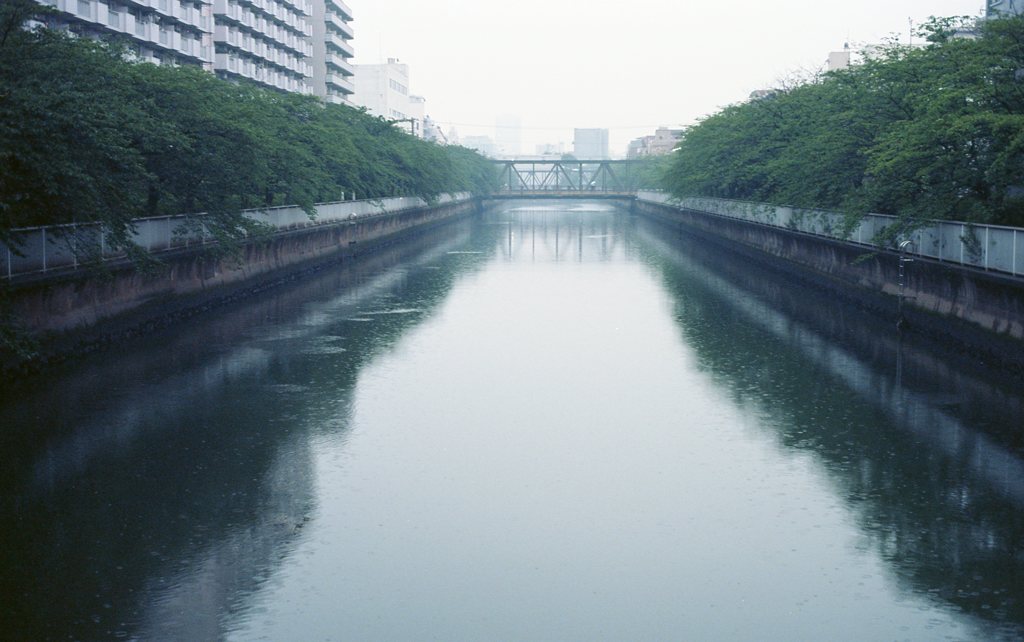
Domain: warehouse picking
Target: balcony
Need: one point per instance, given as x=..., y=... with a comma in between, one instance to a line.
x=336, y=98
x=300, y=6
x=226, y=62
x=340, y=65
x=338, y=24
x=340, y=44
x=339, y=83
x=341, y=8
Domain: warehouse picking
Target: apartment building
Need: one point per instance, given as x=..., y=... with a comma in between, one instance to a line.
x=268, y=41
x=175, y=32
x=332, y=51
x=301, y=46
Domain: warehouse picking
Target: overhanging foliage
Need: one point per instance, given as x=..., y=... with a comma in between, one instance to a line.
x=934, y=132
x=88, y=136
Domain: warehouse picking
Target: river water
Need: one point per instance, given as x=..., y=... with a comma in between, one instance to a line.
x=546, y=422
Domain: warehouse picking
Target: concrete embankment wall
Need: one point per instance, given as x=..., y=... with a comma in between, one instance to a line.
x=76, y=302
x=973, y=311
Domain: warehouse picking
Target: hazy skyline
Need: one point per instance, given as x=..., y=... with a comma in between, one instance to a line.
x=630, y=67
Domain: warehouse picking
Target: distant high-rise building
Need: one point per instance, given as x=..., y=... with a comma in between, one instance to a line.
x=384, y=91
x=590, y=144
x=483, y=144
x=508, y=135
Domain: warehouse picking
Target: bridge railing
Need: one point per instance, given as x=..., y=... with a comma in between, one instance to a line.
x=989, y=247
x=53, y=247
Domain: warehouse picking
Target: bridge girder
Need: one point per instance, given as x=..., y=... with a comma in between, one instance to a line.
x=566, y=177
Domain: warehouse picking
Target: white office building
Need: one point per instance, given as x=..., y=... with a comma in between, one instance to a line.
x=508, y=136
x=160, y=31
x=383, y=90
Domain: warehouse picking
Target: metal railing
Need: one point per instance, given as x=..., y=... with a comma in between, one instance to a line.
x=989, y=247
x=53, y=247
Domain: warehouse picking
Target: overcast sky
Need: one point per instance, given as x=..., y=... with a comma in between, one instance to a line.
x=628, y=65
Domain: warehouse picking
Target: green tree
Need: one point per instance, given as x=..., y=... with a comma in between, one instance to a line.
x=934, y=132
x=87, y=135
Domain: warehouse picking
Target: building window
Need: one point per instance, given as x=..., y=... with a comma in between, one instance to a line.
x=113, y=17
x=84, y=8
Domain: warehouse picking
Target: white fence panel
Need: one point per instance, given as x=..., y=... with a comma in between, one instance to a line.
x=1000, y=249
x=41, y=249
x=988, y=247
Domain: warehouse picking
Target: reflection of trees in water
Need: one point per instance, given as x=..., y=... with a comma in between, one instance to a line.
x=934, y=478
x=192, y=602
x=170, y=480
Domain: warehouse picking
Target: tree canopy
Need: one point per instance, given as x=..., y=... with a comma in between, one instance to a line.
x=933, y=132
x=87, y=135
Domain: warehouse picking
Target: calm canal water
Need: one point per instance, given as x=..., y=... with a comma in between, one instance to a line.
x=550, y=422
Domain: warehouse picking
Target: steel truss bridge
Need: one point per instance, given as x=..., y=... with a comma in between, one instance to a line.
x=567, y=179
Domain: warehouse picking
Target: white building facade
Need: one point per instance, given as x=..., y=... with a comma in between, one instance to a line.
x=301, y=46
x=508, y=136
x=160, y=31
x=267, y=41
x=333, y=72
x=384, y=91
x=590, y=144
